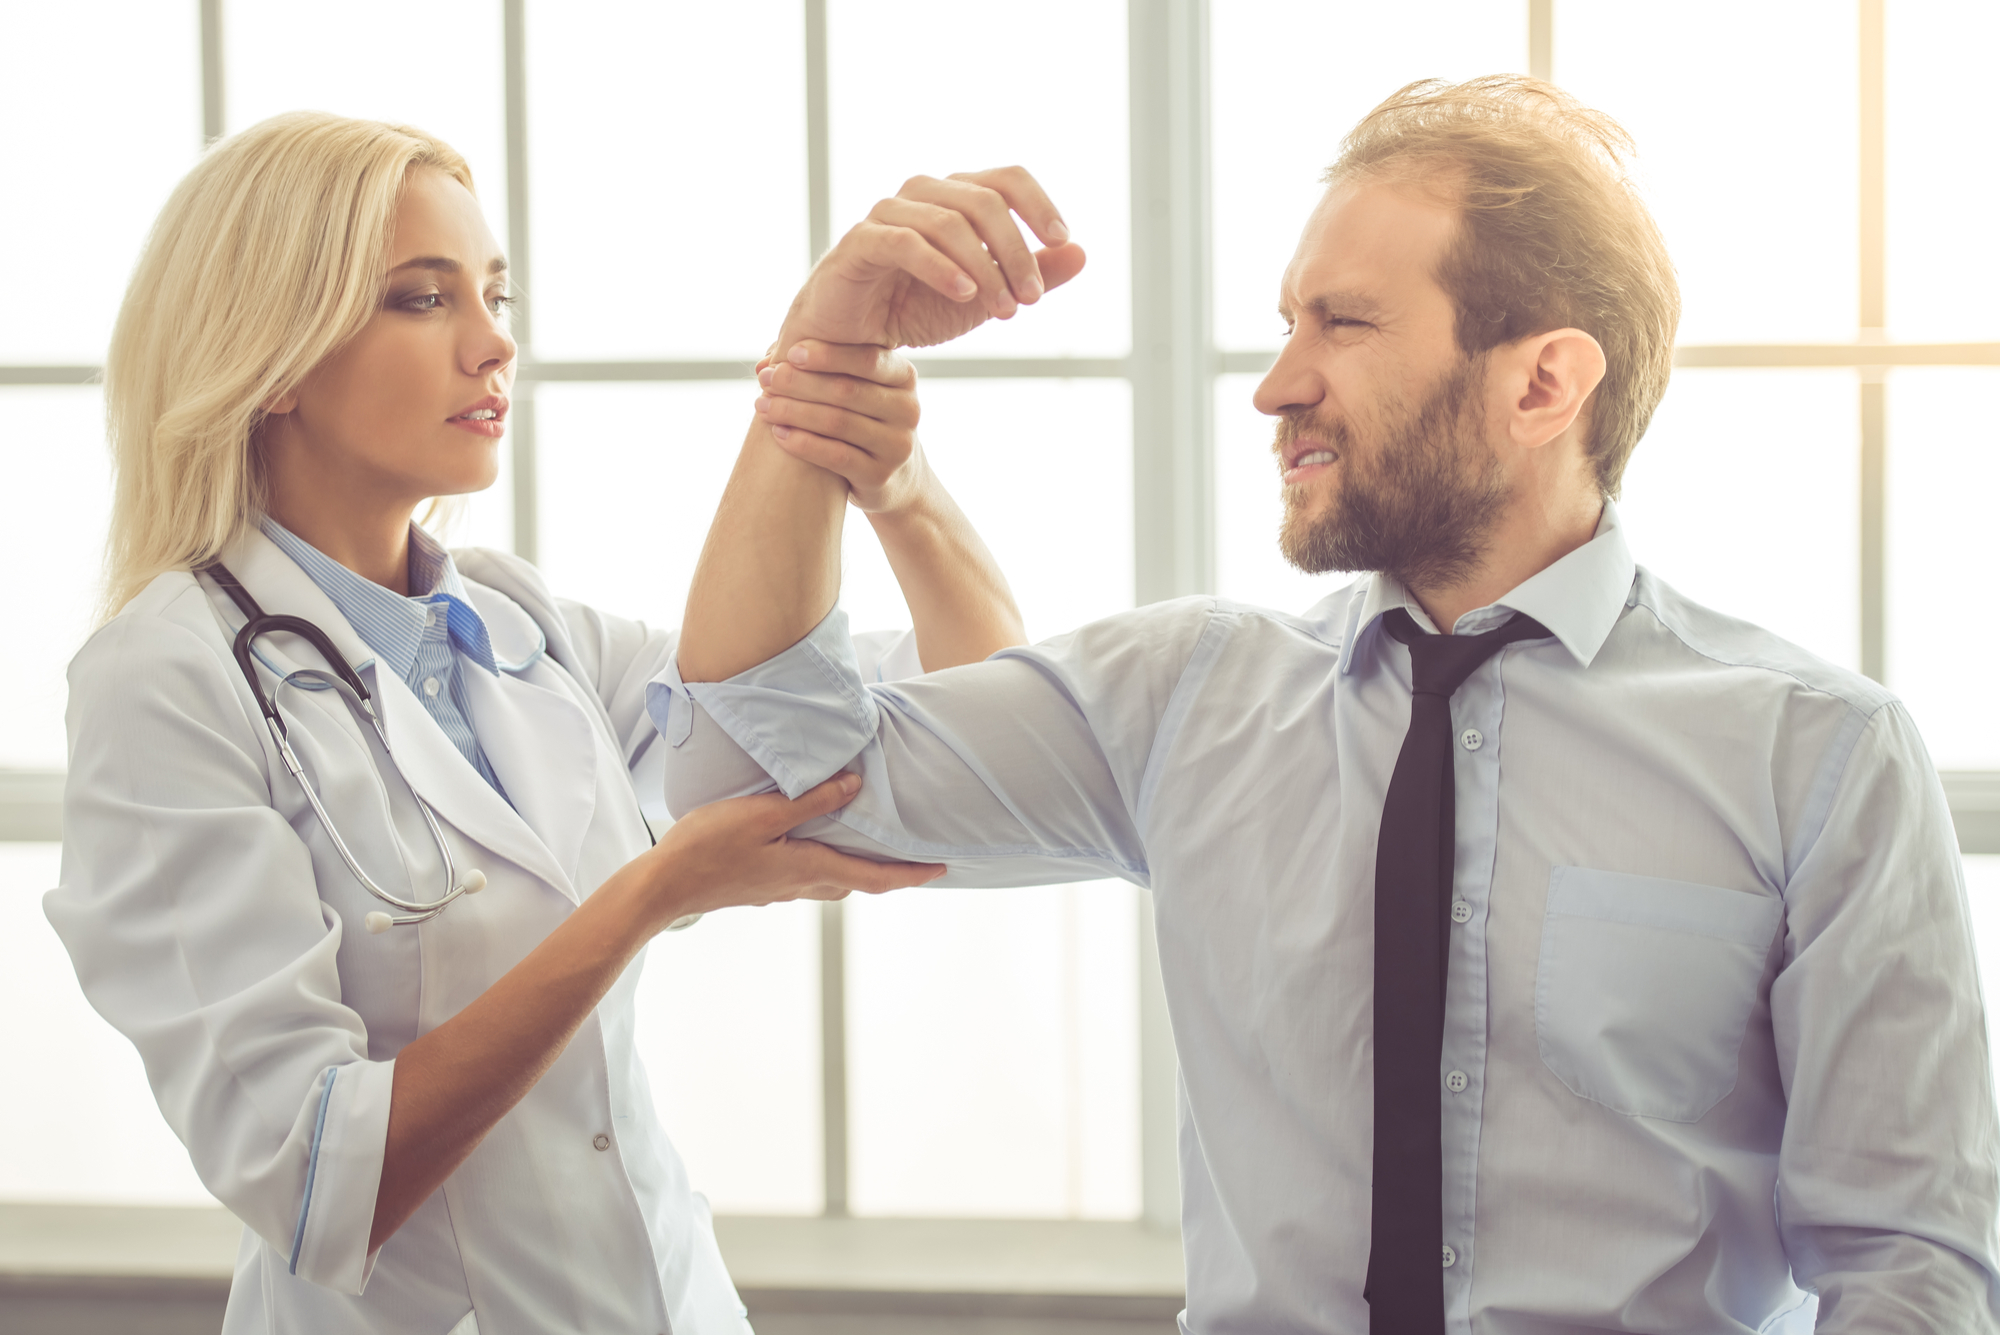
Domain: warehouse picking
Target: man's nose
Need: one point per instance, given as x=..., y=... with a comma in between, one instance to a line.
x=1291, y=385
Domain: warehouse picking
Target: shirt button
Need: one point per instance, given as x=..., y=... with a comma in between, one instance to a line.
x=431, y=619
x=431, y=688
x=1450, y=1256
x=603, y=1142
x=1471, y=739
x=1460, y=910
x=1455, y=1082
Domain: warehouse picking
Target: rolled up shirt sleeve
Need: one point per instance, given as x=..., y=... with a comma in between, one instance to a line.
x=1889, y=1171
x=190, y=911
x=1029, y=768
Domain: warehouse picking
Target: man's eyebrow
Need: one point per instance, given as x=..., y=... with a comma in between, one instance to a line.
x=1326, y=305
x=443, y=264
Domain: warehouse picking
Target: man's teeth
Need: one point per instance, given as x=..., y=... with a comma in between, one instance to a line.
x=1314, y=457
x=480, y=415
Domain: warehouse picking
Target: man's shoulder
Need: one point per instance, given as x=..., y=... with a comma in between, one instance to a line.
x=1713, y=639
x=1180, y=628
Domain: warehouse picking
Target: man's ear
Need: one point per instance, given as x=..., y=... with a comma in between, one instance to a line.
x=1551, y=377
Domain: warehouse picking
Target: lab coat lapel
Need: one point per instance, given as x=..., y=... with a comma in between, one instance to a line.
x=542, y=749
x=431, y=765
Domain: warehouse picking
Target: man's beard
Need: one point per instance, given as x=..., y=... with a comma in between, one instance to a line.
x=1417, y=503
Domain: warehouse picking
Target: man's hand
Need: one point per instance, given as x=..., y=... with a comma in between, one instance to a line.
x=852, y=410
x=937, y=260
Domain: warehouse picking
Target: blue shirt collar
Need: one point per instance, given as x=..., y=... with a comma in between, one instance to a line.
x=1579, y=598
x=391, y=625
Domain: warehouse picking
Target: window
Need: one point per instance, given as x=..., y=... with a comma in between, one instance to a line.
x=663, y=175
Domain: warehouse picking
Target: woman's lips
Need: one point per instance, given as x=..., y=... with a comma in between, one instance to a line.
x=481, y=422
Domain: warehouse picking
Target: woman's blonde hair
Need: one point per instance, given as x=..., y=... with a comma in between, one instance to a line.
x=267, y=258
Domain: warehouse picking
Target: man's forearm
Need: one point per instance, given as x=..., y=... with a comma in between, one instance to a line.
x=770, y=570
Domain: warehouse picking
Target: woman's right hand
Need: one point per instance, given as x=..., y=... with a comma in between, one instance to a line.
x=740, y=852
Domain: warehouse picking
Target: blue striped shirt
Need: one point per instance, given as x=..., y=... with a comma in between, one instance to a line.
x=420, y=638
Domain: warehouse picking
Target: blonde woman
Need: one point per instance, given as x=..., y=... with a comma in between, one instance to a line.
x=367, y=882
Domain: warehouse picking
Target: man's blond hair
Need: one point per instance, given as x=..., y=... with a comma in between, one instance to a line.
x=1552, y=233
x=266, y=260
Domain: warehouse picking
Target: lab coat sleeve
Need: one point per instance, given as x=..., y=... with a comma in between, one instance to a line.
x=190, y=910
x=1029, y=768
x=1889, y=1170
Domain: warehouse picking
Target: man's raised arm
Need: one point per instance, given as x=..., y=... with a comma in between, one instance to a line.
x=940, y=258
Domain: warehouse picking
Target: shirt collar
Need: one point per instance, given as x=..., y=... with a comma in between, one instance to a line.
x=392, y=625
x=1579, y=598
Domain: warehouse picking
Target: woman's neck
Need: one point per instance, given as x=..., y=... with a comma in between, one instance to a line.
x=375, y=547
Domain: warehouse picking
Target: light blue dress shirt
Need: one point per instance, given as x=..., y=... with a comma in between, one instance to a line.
x=420, y=638
x=1715, y=1058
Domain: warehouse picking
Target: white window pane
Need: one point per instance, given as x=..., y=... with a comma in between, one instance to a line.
x=100, y=114
x=1943, y=269
x=1249, y=507
x=52, y=522
x=434, y=64
x=902, y=102
x=993, y=1052
x=79, y=1121
x=668, y=175
x=1289, y=79
x=1746, y=121
x=729, y=1032
x=630, y=476
x=1043, y=469
x=1745, y=496
x=1944, y=469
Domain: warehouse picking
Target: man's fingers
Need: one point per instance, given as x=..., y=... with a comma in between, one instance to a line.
x=894, y=247
x=1059, y=264
x=1024, y=195
x=863, y=361
x=989, y=216
x=953, y=234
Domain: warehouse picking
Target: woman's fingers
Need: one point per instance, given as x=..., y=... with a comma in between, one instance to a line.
x=895, y=407
x=864, y=361
x=782, y=813
x=832, y=867
x=861, y=469
x=889, y=442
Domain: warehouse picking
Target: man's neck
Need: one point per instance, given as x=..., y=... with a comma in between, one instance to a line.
x=1527, y=540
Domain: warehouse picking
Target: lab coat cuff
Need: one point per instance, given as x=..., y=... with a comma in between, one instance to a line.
x=337, y=1214
x=802, y=716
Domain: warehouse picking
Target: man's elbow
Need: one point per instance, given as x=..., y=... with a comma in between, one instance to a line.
x=708, y=766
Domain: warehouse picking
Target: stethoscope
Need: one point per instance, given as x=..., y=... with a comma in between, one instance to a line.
x=260, y=622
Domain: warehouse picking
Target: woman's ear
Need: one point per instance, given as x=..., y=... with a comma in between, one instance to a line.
x=282, y=404
x=1555, y=374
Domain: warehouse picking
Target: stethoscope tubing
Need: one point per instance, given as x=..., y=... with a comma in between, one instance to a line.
x=408, y=912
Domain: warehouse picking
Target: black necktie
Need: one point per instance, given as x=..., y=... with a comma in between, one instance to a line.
x=1413, y=874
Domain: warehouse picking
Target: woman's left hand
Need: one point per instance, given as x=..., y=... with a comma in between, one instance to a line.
x=851, y=409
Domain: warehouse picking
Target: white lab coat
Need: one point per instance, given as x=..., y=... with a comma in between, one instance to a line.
x=211, y=921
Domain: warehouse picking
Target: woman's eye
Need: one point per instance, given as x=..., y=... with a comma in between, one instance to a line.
x=500, y=304
x=424, y=301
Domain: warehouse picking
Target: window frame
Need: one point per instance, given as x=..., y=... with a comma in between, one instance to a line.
x=1171, y=369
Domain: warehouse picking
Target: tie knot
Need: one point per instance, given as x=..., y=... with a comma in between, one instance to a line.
x=1439, y=664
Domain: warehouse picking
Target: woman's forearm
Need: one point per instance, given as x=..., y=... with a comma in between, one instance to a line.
x=958, y=595
x=455, y=1082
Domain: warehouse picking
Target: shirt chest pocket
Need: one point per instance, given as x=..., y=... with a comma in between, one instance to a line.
x=1645, y=986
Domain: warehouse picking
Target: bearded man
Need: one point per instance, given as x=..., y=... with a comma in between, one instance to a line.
x=1544, y=952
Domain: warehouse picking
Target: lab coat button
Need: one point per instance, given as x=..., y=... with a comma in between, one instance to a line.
x=1471, y=739
x=1455, y=1082
x=1450, y=1256
x=1461, y=911
x=601, y=1141
x=430, y=686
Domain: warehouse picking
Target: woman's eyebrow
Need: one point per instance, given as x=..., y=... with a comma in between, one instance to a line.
x=444, y=264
